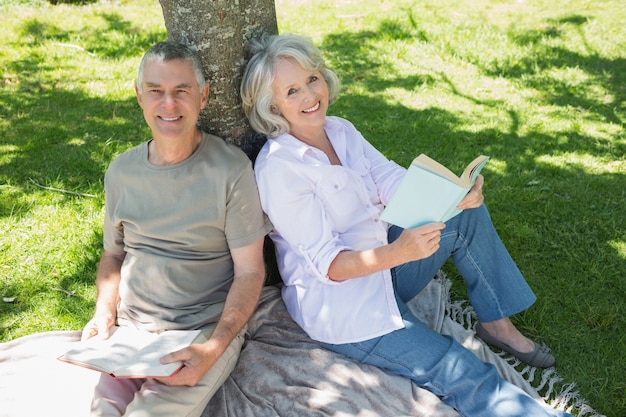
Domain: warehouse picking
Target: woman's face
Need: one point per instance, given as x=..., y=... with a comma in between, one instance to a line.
x=300, y=96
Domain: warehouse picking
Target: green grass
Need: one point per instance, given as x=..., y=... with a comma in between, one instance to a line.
x=66, y=109
x=538, y=85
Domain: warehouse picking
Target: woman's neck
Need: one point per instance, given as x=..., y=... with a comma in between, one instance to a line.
x=321, y=141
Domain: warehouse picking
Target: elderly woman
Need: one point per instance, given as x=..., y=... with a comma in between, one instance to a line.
x=347, y=274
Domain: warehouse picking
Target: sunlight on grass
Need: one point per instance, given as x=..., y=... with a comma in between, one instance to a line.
x=620, y=247
x=585, y=162
x=67, y=108
x=497, y=166
x=6, y=152
x=537, y=85
x=38, y=276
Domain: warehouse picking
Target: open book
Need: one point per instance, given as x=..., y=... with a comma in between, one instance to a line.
x=430, y=192
x=131, y=353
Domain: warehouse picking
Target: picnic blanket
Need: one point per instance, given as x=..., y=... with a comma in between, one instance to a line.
x=281, y=372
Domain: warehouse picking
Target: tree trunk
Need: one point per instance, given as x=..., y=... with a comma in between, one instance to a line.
x=220, y=30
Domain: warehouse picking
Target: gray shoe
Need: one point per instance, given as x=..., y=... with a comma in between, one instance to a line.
x=540, y=357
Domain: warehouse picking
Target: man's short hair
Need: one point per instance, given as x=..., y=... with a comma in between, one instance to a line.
x=171, y=51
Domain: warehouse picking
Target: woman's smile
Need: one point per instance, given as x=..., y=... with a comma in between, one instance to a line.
x=312, y=109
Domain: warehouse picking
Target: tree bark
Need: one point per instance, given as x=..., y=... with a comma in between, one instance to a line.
x=219, y=31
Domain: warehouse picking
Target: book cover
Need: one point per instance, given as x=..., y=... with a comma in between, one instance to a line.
x=430, y=192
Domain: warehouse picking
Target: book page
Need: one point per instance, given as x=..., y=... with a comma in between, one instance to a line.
x=466, y=179
x=146, y=361
x=473, y=169
x=427, y=163
x=108, y=354
x=130, y=352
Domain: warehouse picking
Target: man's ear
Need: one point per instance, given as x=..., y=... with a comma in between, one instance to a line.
x=205, y=95
x=138, y=94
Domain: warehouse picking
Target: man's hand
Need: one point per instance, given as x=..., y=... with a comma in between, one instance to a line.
x=475, y=197
x=99, y=326
x=107, y=284
x=241, y=302
x=197, y=360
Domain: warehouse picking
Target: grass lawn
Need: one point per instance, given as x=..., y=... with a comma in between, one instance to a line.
x=538, y=85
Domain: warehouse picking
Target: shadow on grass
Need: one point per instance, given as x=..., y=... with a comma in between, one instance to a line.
x=66, y=138
x=571, y=220
x=62, y=138
x=546, y=231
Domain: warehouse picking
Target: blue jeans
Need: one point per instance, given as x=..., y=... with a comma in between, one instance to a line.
x=436, y=362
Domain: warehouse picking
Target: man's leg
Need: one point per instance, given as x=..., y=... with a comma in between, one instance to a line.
x=112, y=395
x=154, y=399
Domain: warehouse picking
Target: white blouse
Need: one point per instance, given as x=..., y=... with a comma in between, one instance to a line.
x=318, y=210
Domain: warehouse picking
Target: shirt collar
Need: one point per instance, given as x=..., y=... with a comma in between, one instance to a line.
x=335, y=131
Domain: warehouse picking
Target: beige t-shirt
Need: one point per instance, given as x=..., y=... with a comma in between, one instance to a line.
x=176, y=224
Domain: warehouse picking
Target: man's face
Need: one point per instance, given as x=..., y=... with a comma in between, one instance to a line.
x=171, y=98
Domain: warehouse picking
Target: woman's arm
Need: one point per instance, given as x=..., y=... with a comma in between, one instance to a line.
x=413, y=244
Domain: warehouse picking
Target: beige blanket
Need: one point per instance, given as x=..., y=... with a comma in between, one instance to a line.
x=281, y=372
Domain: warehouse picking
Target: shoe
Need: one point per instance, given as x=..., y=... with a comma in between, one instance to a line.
x=540, y=357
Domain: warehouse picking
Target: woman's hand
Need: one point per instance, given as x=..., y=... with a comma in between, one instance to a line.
x=419, y=242
x=475, y=197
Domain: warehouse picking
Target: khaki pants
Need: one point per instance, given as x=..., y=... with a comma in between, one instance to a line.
x=138, y=397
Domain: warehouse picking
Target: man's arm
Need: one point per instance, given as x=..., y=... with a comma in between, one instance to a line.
x=240, y=303
x=107, y=285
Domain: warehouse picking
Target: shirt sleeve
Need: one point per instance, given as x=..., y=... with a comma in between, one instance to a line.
x=385, y=173
x=245, y=220
x=113, y=231
x=289, y=198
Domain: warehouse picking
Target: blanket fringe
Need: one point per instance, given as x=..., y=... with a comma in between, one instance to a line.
x=550, y=386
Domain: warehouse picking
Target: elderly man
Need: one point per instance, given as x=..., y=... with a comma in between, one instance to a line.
x=183, y=238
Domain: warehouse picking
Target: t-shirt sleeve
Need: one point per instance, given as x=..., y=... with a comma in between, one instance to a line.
x=245, y=220
x=113, y=232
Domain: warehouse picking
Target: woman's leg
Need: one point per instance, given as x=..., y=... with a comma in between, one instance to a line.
x=496, y=288
x=444, y=367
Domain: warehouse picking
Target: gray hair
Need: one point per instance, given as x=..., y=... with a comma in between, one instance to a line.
x=256, y=86
x=171, y=51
